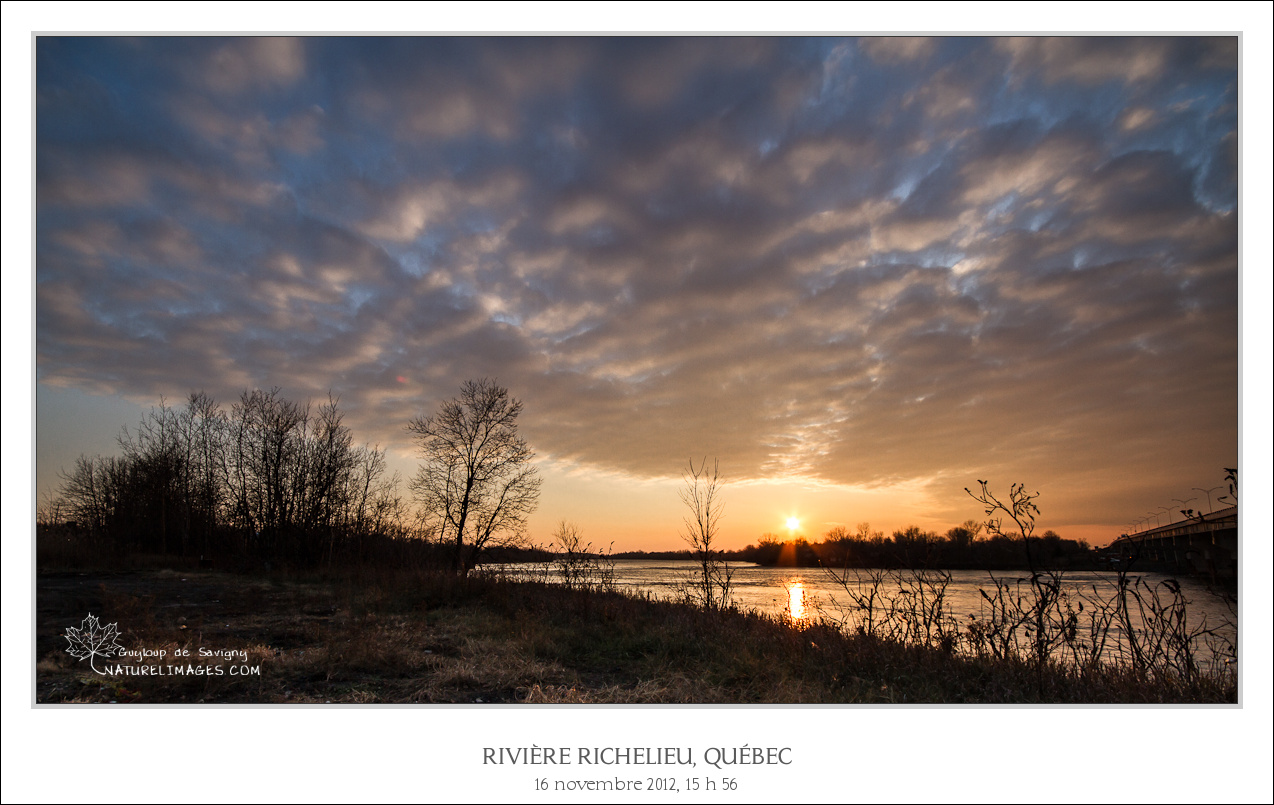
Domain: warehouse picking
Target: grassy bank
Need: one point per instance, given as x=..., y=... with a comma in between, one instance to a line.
x=383, y=636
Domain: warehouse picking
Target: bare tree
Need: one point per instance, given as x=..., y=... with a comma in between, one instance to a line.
x=701, y=492
x=266, y=440
x=51, y=512
x=579, y=566
x=157, y=475
x=476, y=485
x=203, y=435
x=1020, y=508
x=1046, y=586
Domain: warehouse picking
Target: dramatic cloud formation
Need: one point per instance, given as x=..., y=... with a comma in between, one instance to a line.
x=865, y=263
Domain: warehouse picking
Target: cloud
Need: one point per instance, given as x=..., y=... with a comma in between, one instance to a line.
x=893, y=50
x=255, y=62
x=1090, y=60
x=1136, y=117
x=862, y=263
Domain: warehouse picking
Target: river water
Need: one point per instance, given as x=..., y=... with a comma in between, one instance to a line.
x=805, y=594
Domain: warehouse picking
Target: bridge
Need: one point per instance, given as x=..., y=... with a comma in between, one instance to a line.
x=1205, y=544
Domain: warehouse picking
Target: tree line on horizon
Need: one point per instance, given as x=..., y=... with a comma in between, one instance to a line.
x=963, y=547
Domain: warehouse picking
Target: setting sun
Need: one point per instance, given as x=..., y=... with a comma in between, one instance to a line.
x=793, y=523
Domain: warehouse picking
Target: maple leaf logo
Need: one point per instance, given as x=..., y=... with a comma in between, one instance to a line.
x=92, y=640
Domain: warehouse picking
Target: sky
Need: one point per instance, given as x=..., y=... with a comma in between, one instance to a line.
x=860, y=273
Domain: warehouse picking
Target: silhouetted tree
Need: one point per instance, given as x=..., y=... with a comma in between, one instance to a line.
x=203, y=436
x=476, y=485
x=963, y=535
x=267, y=436
x=1020, y=508
x=701, y=492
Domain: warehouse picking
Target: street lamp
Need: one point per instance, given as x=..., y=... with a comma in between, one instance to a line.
x=1183, y=504
x=1208, y=492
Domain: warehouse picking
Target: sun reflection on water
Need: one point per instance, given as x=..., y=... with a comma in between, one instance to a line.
x=796, y=599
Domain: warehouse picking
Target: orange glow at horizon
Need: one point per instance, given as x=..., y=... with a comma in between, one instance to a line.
x=646, y=515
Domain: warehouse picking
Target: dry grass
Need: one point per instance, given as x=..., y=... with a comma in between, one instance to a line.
x=384, y=636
